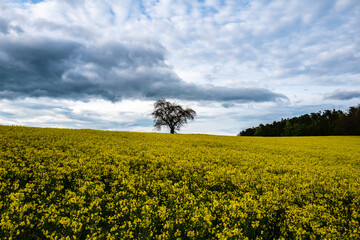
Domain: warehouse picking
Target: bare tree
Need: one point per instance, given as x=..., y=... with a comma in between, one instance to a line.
x=171, y=115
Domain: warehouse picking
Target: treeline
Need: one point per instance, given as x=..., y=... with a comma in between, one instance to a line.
x=324, y=123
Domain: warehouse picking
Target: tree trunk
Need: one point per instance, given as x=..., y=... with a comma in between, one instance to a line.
x=172, y=130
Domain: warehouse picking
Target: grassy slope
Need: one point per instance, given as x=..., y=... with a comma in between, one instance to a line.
x=60, y=182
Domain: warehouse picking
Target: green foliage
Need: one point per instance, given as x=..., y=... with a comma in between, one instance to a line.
x=86, y=184
x=316, y=124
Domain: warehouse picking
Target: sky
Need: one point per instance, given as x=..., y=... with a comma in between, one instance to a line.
x=101, y=64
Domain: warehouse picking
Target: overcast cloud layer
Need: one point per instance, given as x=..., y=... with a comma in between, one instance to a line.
x=239, y=63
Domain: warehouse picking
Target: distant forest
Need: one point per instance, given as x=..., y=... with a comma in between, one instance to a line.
x=324, y=123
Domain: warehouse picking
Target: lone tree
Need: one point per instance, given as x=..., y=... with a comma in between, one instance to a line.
x=171, y=115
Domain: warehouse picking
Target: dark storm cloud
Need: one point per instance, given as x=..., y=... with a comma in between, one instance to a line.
x=343, y=95
x=4, y=28
x=113, y=71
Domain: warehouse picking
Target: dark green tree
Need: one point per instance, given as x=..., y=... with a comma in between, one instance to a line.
x=171, y=115
x=349, y=124
x=328, y=122
x=288, y=129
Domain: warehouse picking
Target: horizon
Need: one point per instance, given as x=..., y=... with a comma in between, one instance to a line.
x=102, y=64
x=165, y=129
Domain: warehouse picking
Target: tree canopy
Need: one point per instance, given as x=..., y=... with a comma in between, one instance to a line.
x=171, y=115
x=325, y=123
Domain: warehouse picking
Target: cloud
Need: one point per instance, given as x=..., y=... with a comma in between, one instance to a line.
x=228, y=105
x=182, y=47
x=279, y=41
x=4, y=28
x=97, y=113
x=343, y=95
x=44, y=67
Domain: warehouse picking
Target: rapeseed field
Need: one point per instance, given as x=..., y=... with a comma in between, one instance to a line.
x=87, y=184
